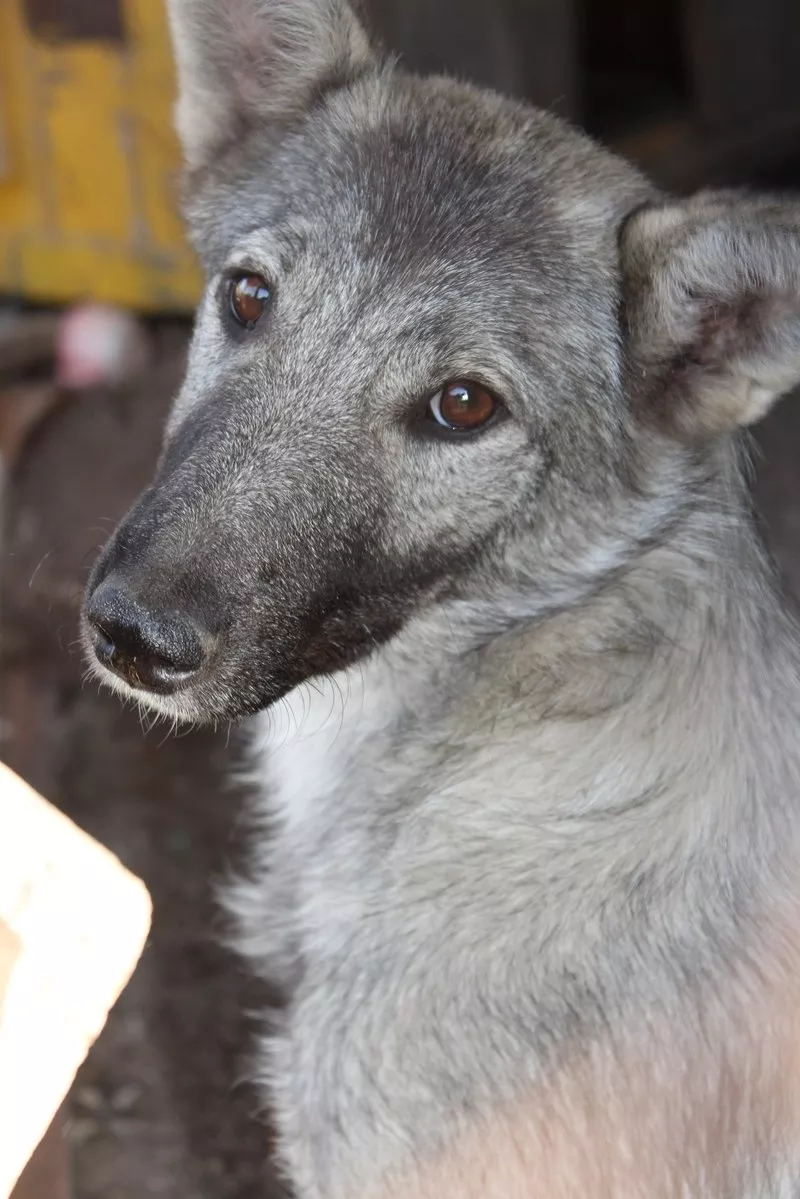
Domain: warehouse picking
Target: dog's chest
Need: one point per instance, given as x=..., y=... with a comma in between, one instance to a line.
x=331, y=768
x=318, y=749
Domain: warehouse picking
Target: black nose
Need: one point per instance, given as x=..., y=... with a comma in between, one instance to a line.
x=151, y=651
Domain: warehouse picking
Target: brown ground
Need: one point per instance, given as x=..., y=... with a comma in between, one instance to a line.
x=162, y=1106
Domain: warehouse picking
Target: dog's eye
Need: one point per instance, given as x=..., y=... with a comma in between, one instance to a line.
x=249, y=296
x=463, y=406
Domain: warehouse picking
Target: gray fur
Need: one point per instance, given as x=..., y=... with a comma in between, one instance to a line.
x=528, y=765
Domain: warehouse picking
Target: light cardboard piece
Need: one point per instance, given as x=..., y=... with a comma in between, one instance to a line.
x=73, y=923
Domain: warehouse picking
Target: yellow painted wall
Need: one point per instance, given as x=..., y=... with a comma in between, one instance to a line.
x=89, y=166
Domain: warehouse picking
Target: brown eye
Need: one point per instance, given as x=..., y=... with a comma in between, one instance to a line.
x=249, y=297
x=463, y=406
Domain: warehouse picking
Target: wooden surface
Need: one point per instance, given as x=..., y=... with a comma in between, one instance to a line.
x=73, y=923
x=88, y=176
x=47, y=1174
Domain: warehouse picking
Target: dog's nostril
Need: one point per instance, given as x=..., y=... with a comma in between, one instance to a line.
x=103, y=644
x=149, y=650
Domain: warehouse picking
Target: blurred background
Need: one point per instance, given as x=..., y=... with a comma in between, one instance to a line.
x=96, y=291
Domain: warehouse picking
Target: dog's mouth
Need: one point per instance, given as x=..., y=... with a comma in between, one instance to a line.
x=170, y=662
x=222, y=687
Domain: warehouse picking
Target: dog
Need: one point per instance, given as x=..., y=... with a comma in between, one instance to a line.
x=454, y=505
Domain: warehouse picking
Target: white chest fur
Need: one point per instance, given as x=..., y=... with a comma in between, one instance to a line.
x=318, y=755
x=307, y=742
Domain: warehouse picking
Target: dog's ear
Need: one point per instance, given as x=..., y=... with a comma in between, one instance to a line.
x=245, y=62
x=712, y=309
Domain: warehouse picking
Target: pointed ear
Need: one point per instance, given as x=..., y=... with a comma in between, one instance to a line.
x=247, y=62
x=712, y=307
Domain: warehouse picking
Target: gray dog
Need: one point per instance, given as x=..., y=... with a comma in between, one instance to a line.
x=454, y=496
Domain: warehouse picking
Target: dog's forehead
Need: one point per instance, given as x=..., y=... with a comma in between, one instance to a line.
x=424, y=181
x=415, y=170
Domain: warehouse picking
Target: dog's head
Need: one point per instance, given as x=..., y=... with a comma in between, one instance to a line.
x=441, y=334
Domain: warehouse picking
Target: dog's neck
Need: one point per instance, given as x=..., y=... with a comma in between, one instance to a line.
x=685, y=660
x=677, y=679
